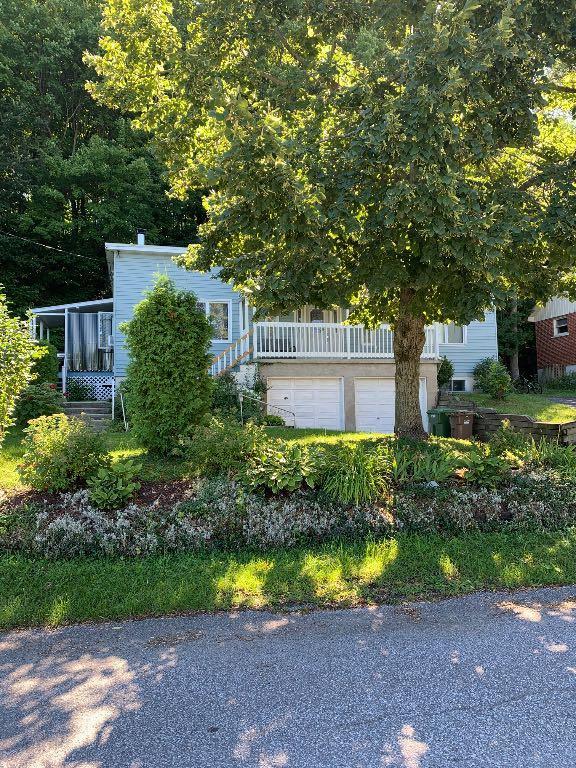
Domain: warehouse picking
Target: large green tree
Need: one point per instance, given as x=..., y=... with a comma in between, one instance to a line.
x=72, y=172
x=374, y=153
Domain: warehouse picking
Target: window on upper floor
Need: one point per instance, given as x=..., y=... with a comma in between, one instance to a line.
x=560, y=326
x=218, y=312
x=454, y=334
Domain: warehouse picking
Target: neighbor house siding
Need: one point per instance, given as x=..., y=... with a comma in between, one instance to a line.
x=135, y=272
x=481, y=342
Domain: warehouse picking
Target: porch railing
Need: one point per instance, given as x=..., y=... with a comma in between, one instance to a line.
x=330, y=340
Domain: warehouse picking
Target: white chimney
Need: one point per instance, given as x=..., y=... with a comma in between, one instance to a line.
x=141, y=236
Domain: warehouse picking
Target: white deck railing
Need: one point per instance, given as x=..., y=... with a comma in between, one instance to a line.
x=329, y=340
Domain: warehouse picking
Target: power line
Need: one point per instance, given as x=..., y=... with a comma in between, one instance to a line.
x=42, y=245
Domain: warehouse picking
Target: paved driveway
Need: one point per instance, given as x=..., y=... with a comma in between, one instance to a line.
x=487, y=680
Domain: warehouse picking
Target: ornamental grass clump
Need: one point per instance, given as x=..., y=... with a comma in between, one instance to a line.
x=354, y=475
x=60, y=452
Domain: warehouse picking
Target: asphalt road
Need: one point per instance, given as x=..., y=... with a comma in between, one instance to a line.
x=486, y=680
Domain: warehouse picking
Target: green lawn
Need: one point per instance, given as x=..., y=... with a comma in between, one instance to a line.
x=122, y=445
x=539, y=407
x=42, y=592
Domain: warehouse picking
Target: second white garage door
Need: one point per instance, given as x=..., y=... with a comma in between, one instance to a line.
x=375, y=404
x=315, y=402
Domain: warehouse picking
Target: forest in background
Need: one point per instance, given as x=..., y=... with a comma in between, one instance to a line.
x=73, y=173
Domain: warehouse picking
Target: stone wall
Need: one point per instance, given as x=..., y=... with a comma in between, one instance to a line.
x=487, y=421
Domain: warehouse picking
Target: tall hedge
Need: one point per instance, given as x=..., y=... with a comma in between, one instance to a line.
x=168, y=387
x=17, y=353
x=45, y=368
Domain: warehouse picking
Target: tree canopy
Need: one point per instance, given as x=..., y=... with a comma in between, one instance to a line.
x=72, y=172
x=414, y=161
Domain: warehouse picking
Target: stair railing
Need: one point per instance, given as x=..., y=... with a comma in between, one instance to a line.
x=232, y=355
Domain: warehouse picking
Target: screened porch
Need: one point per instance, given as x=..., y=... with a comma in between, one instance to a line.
x=83, y=334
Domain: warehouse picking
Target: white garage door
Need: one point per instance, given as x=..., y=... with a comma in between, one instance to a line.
x=315, y=402
x=375, y=404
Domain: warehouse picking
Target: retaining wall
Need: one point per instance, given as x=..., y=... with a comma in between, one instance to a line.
x=487, y=421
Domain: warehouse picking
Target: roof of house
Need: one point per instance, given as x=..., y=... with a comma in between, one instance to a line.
x=556, y=307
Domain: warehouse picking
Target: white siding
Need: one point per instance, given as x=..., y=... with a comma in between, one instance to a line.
x=136, y=271
x=481, y=342
x=556, y=307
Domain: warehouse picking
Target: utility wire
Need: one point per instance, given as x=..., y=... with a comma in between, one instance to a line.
x=42, y=245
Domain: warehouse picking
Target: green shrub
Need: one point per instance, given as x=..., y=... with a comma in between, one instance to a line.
x=113, y=485
x=445, y=372
x=507, y=439
x=226, y=399
x=271, y=420
x=353, y=474
x=219, y=446
x=38, y=400
x=567, y=381
x=59, y=452
x=498, y=382
x=77, y=390
x=168, y=385
x=277, y=465
x=45, y=369
x=484, y=468
x=480, y=372
x=492, y=377
x=17, y=353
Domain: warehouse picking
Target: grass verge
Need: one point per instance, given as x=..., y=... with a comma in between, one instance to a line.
x=538, y=407
x=41, y=592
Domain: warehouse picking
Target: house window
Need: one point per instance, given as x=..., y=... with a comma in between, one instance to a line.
x=561, y=326
x=454, y=334
x=458, y=385
x=218, y=312
x=316, y=315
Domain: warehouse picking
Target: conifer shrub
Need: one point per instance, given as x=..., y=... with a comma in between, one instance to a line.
x=168, y=386
x=45, y=368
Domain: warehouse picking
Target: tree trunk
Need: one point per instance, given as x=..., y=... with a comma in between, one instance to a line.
x=409, y=338
x=514, y=361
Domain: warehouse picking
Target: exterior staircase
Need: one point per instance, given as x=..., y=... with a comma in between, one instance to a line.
x=96, y=413
x=236, y=353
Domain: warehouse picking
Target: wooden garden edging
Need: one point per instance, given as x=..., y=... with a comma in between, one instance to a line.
x=487, y=421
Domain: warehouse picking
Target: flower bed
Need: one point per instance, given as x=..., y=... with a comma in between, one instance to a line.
x=254, y=491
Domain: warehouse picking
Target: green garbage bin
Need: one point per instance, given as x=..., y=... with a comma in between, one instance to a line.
x=439, y=422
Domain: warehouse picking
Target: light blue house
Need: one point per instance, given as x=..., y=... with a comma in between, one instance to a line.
x=318, y=371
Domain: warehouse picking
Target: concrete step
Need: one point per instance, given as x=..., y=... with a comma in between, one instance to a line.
x=100, y=405
x=98, y=423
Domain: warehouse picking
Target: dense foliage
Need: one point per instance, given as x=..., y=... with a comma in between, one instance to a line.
x=168, y=386
x=17, y=354
x=72, y=173
x=59, y=452
x=38, y=400
x=45, y=369
x=413, y=161
x=492, y=377
x=445, y=372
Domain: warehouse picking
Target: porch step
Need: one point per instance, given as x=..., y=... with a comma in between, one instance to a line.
x=89, y=406
x=96, y=413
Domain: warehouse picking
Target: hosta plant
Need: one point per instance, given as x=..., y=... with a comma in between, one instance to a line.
x=112, y=486
x=279, y=466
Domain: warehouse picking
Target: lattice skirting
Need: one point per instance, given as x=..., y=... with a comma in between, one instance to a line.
x=100, y=384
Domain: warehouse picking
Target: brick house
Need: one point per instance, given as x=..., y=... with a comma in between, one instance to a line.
x=555, y=328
